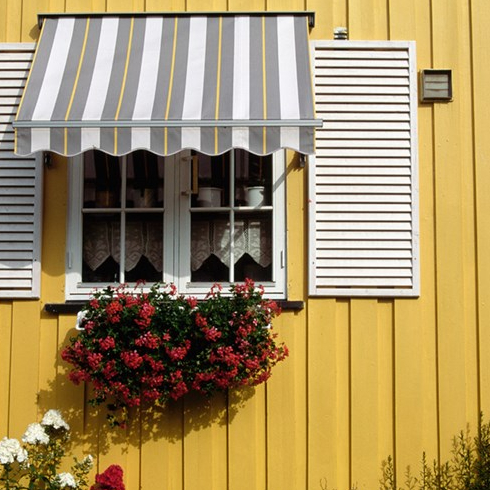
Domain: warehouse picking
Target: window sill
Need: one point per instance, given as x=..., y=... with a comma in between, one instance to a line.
x=74, y=307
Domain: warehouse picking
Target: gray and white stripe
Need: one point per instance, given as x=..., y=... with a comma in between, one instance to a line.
x=166, y=83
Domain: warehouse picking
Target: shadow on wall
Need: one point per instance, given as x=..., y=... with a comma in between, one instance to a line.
x=171, y=423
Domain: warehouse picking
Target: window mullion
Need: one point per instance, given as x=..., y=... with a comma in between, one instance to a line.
x=232, y=216
x=177, y=177
x=122, y=242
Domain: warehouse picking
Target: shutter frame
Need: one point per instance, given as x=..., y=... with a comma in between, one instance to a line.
x=363, y=180
x=20, y=185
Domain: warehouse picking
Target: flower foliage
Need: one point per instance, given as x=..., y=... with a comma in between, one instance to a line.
x=34, y=462
x=141, y=348
x=110, y=479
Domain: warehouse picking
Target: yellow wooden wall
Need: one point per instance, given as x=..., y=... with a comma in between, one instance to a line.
x=366, y=378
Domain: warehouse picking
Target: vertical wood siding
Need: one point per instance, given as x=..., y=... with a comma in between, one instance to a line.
x=366, y=377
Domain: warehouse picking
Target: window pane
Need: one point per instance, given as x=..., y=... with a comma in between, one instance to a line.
x=101, y=248
x=144, y=180
x=253, y=247
x=213, y=181
x=144, y=247
x=212, y=250
x=253, y=179
x=102, y=180
x=210, y=247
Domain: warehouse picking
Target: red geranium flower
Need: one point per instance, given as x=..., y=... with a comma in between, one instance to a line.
x=110, y=479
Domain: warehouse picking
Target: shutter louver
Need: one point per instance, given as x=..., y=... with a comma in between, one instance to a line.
x=20, y=185
x=363, y=180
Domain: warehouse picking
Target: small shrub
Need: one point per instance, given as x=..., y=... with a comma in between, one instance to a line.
x=324, y=485
x=33, y=463
x=468, y=469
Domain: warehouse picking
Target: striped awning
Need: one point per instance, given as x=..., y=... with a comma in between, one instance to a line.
x=167, y=83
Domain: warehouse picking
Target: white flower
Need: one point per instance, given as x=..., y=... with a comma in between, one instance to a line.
x=35, y=434
x=65, y=480
x=53, y=418
x=88, y=461
x=11, y=450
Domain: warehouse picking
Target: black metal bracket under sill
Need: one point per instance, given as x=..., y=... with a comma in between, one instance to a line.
x=73, y=307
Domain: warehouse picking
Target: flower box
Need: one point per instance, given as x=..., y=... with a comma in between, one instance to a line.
x=146, y=348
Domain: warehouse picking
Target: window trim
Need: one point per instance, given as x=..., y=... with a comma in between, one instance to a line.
x=177, y=264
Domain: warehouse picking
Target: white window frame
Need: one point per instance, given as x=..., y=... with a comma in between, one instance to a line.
x=177, y=246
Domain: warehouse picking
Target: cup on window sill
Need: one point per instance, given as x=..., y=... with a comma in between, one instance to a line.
x=209, y=197
x=255, y=196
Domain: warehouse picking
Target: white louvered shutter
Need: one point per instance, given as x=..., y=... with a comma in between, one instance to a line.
x=20, y=186
x=363, y=216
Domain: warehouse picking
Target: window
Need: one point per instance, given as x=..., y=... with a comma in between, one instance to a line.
x=363, y=213
x=190, y=219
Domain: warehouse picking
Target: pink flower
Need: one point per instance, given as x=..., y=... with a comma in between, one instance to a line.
x=129, y=300
x=211, y=334
x=153, y=381
x=192, y=302
x=156, y=365
x=202, y=378
x=94, y=359
x=78, y=376
x=173, y=289
x=251, y=363
x=200, y=320
x=180, y=388
x=225, y=355
x=113, y=308
x=109, y=370
x=89, y=326
x=148, y=340
x=178, y=353
x=66, y=354
x=243, y=330
x=264, y=376
x=151, y=394
x=215, y=290
x=107, y=343
x=145, y=315
x=110, y=479
x=147, y=310
x=132, y=359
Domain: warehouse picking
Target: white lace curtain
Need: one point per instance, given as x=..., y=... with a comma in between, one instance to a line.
x=252, y=236
x=145, y=239
x=102, y=240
